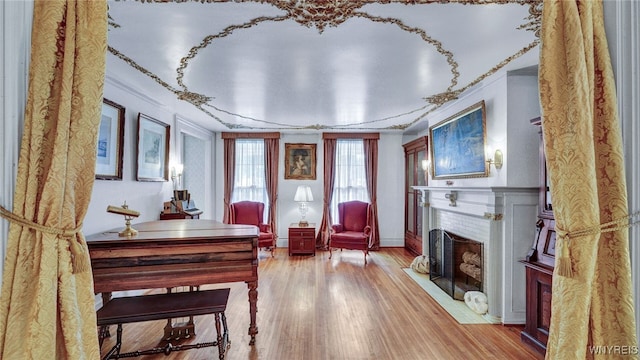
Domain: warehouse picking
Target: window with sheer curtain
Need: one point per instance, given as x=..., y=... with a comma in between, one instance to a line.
x=350, y=175
x=249, y=181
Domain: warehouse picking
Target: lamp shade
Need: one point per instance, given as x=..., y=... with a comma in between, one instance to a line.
x=303, y=193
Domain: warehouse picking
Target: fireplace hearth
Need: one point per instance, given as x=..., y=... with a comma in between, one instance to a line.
x=455, y=263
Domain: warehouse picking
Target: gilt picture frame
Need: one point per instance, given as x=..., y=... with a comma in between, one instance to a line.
x=300, y=161
x=152, y=155
x=109, y=151
x=457, y=145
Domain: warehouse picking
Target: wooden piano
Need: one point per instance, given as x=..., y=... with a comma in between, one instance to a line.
x=177, y=253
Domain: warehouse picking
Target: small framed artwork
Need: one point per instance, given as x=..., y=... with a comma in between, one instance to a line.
x=153, y=149
x=110, y=142
x=458, y=145
x=300, y=161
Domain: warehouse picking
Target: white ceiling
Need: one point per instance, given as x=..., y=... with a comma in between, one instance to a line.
x=303, y=65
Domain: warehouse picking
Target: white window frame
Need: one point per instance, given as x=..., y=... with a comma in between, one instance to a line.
x=252, y=178
x=347, y=166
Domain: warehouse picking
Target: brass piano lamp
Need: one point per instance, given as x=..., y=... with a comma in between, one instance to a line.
x=128, y=216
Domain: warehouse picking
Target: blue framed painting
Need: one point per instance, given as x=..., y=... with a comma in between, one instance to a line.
x=458, y=143
x=110, y=142
x=153, y=149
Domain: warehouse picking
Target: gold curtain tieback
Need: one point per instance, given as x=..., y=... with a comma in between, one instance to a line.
x=78, y=261
x=563, y=263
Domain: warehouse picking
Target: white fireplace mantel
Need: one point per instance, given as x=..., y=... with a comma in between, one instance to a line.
x=503, y=219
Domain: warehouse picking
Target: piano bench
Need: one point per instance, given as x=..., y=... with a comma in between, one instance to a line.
x=132, y=309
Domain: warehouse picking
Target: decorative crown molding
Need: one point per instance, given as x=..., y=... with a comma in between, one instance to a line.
x=332, y=13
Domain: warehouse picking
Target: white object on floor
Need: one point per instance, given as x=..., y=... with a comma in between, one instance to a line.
x=420, y=264
x=476, y=301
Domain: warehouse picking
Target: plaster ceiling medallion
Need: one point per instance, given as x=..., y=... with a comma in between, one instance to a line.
x=315, y=65
x=320, y=13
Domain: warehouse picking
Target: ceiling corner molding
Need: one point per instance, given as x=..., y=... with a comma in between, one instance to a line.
x=351, y=135
x=126, y=88
x=250, y=135
x=321, y=15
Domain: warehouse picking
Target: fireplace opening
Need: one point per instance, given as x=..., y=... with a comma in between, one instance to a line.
x=455, y=263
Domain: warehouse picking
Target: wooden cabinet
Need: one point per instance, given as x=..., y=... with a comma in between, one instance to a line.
x=302, y=240
x=539, y=264
x=538, y=318
x=415, y=175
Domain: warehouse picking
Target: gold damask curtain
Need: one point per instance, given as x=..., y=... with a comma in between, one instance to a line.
x=592, y=300
x=47, y=302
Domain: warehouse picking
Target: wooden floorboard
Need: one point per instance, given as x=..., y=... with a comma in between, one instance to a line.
x=320, y=308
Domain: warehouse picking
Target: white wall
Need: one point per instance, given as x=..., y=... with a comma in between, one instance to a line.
x=145, y=197
x=511, y=100
x=16, y=18
x=523, y=104
x=390, y=187
x=288, y=209
x=508, y=102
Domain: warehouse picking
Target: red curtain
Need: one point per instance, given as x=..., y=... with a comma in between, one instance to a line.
x=229, y=174
x=329, y=169
x=271, y=156
x=371, y=168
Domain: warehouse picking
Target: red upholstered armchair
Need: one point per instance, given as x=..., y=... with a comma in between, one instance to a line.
x=352, y=230
x=251, y=213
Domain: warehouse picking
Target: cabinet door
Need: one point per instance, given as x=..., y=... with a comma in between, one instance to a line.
x=421, y=178
x=415, y=175
x=536, y=331
x=411, y=212
x=310, y=240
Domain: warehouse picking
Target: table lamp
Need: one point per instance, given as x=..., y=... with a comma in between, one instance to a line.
x=303, y=195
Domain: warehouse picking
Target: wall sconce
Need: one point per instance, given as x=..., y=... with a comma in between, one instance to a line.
x=302, y=196
x=497, y=159
x=176, y=173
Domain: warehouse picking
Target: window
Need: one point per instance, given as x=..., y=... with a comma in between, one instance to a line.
x=350, y=175
x=249, y=182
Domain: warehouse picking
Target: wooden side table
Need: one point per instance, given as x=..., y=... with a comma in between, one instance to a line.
x=302, y=240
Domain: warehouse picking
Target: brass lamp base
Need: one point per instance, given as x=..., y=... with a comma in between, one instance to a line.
x=303, y=223
x=128, y=230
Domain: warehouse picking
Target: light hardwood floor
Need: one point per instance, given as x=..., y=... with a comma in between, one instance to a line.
x=319, y=308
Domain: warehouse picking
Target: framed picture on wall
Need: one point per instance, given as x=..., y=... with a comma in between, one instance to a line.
x=110, y=142
x=300, y=161
x=153, y=149
x=458, y=145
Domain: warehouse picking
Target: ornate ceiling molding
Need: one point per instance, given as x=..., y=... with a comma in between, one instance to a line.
x=331, y=13
x=320, y=14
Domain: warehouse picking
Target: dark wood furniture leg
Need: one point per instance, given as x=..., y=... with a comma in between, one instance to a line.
x=253, y=309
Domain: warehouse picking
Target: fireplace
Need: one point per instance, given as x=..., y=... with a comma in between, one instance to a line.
x=455, y=263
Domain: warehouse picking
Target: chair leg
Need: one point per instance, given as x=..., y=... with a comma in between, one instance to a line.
x=329, y=252
x=365, y=256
